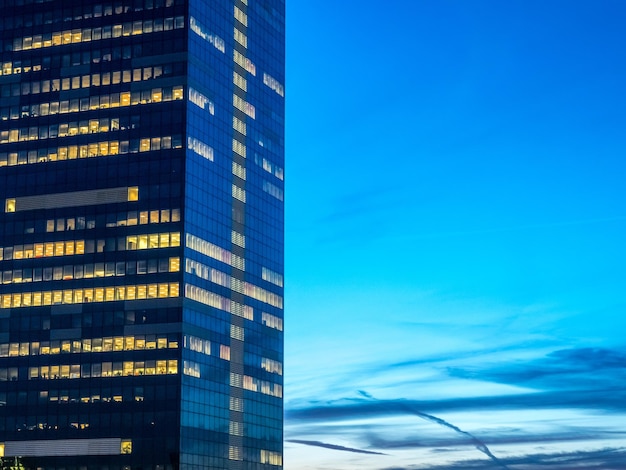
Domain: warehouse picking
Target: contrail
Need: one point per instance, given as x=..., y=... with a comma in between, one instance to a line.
x=334, y=447
x=478, y=444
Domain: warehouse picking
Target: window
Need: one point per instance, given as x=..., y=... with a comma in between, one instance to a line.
x=10, y=205
x=133, y=193
x=126, y=447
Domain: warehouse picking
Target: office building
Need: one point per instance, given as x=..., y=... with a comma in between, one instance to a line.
x=141, y=234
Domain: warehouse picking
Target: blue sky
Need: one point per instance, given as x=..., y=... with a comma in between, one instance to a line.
x=455, y=257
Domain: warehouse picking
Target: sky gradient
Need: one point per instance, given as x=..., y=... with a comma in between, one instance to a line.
x=456, y=220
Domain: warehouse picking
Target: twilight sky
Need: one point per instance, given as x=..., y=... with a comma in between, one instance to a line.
x=456, y=229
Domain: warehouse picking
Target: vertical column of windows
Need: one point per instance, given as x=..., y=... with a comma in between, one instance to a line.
x=238, y=239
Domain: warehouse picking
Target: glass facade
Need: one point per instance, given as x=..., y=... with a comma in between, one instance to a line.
x=141, y=234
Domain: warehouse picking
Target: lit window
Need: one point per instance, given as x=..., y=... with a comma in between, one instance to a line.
x=126, y=446
x=131, y=293
x=174, y=289
x=10, y=205
x=133, y=193
x=174, y=239
x=152, y=291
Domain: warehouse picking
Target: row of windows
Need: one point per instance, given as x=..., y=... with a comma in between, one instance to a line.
x=130, y=368
x=240, y=81
x=273, y=84
x=203, y=346
x=91, y=270
x=123, y=219
x=239, y=125
x=244, y=63
x=56, y=396
x=89, y=345
x=272, y=458
x=213, y=251
x=238, y=239
x=239, y=148
x=75, y=36
x=200, y=148
x=96, y=149
x=119, y=219
x=191, y=369
x=93, y=103
x=271, y=276
x=70, y=224
x=241, y=38
x=80, y=247
x=101, y=369
x=256, y=385
x=80, y=296
x=220, y=278
x=153, y=240
x=241, y=17
x=83, y=81
x=217, y=301
x=194, y=369
x=202, y=31
x=193, y=343
x=201, y=101
x=270, y=167
x=243, y=106
x=239, y=193
x=88, y=11
x=271, y=366
x=91, y=126
x=53, y=62
x=273, y=190
x=272, y=321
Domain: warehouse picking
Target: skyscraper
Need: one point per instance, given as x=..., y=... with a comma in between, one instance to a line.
x=141, y=234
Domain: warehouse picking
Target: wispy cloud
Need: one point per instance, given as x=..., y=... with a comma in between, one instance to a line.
x=442, y=444
x=577, y=369
x=574, y=382
x=602, y=459
x=607, y=399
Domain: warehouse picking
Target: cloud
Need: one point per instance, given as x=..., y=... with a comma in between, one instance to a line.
x=601, y=459
x=565, y=382
x=609, y=399
x=333, y=446
x=444, y=444
x=572, y=369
